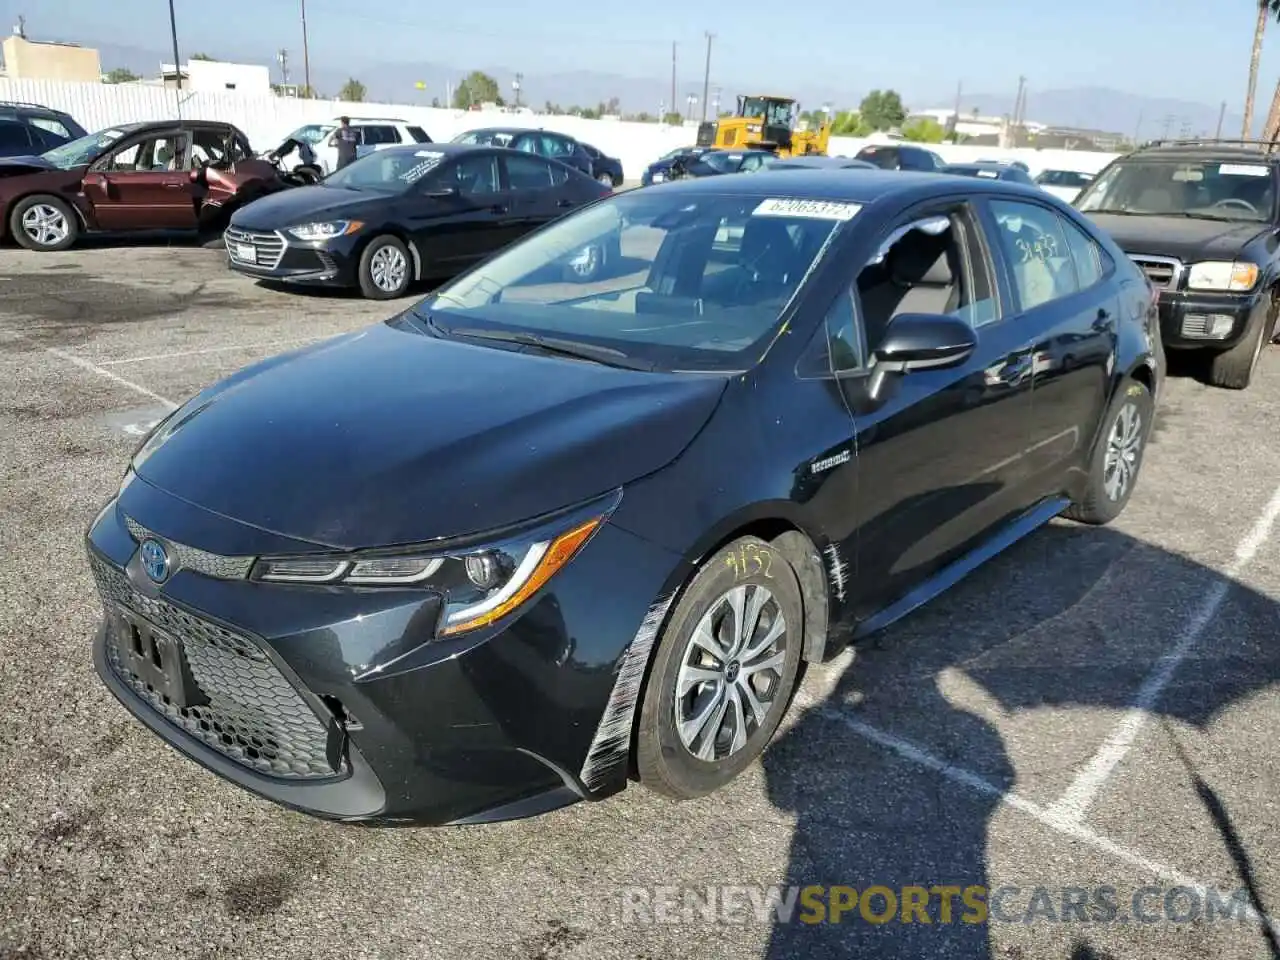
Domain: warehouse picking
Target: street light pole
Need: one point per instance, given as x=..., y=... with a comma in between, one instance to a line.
x=177, y=63
x=306, y=54
x=706, y=77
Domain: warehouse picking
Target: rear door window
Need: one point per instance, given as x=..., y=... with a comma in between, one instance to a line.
x=529, y=173
x=376, y=133
x=419, y=135
x=886, y=158
x=14, y=136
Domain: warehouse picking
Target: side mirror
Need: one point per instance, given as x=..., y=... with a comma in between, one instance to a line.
x=921, y=341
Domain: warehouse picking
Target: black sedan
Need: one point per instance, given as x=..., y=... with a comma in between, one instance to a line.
x=606, y=169
x=660, y=170
x=715, y=163
x=404, y=214
x=990, y=171
x=543, y=143
x=524, y=540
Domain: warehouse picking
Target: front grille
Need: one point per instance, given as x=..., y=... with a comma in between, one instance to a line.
x=184, y=557
x=1163, y=272
x=254, y=715
x=267, y=248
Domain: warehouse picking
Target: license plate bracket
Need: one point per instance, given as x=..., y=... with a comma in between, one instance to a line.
x=157, y=659
x=247, y=252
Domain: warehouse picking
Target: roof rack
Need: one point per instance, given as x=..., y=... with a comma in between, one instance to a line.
x=29, y=106
x=1265, y=145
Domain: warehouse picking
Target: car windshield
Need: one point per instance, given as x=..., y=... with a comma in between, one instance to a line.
x=1211, y=190
x=692, y=282
x=672, y=154
x=312, y=133
x=386, y=170
x=84, y=150
x=721, y=162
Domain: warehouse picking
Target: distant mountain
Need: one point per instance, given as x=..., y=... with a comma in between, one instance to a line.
x=1097, y=108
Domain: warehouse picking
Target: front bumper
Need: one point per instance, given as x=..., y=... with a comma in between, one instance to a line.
x=341, y=703
x=270, y=255
x=1212, y=321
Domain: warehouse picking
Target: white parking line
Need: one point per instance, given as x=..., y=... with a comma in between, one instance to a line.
x=1045, y=817
x=1074, y=803
x=206, y=350
x=95, y=369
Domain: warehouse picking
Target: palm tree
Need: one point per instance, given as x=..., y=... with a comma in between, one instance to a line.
x=1266, y=10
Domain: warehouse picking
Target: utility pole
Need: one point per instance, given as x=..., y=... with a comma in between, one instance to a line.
x=177, y=63
x=1222, y=115
x=955, y=116
x=283, y=58
x=673, y=76
x=306, y=55
x=706, y=77
x=1137, y=130
x=1168, y=125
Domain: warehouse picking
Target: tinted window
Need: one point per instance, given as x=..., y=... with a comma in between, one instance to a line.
x=753, y=162
x=884, y=157
x=931, y=265
x=529, y=173
x=1087, y=256
x=916, y=160
x=704, y=281
x=1035, y=247
x=472, y=176
x=592, y=152
x=419, y=135
x=553, y=146
x=380, y=134
x=524, y=142
x=14, y=135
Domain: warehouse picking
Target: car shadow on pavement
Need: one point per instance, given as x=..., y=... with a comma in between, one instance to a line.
x=1058, y=621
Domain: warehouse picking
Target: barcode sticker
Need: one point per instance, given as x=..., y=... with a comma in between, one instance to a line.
x=813, y=209
x=1244, y=170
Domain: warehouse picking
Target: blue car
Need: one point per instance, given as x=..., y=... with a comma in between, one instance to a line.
x=29, y=129
x=660, y=169
x=1014, y=173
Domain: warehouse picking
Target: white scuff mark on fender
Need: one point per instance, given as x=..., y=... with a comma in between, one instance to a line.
x=613, y=735
x=839, y=570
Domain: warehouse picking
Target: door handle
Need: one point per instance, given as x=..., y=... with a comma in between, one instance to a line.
x=174, y=186
x=566, y=203
x=498, y=208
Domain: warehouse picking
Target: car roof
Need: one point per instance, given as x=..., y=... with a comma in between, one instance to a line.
x=856, y=186
x=516, y=130
x=1202, y=151
x=34, y=109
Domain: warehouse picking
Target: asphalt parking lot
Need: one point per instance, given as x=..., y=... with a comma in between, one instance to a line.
x=1095, y=708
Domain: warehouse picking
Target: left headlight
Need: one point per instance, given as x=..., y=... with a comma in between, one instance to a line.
x=480, y=583
x=1228, y=275
x=325, y=230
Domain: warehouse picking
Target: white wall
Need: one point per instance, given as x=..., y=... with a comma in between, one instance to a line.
x=268, y=119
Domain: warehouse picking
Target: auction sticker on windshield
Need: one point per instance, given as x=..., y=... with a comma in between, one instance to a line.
x=1244, y=170
x=812, y=209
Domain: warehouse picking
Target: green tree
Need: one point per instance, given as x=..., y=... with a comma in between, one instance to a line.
x=924, y=130
x=476, y=88
x=673, y=119
x=120, y=75
x=201, y=56
x=353, y=90
x=848, y=123
x=1266, y=9
x=882, y=109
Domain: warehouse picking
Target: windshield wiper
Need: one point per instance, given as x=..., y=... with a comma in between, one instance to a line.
x=566, y=348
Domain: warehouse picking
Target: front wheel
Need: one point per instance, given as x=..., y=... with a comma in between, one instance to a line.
x=46, y=224
x=1234, y=368
x=723, y=673
x=385, y=269
x=1113, y=472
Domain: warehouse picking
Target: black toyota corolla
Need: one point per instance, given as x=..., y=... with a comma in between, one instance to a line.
x=530, y=539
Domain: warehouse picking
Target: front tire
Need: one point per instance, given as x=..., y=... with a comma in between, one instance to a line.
x=723, y=674
x=45, y=224
x=386, y=269
x=1117, y=460
x=1234, y=368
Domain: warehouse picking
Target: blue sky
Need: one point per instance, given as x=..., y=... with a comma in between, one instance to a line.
x=1179, y=48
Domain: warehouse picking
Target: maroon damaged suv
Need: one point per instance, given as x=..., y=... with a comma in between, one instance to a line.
x=135, y=176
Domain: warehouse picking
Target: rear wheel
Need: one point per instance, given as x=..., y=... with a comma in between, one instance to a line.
x=44, y=223
x=386, y=269
x=1234, y=368
x=723, y=673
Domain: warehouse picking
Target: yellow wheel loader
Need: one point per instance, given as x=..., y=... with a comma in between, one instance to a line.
x=769, y=123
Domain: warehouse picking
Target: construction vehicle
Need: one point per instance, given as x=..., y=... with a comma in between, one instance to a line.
x=768, y=123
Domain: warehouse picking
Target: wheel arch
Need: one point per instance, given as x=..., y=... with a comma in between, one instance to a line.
x=6, y=233
x=393, y=230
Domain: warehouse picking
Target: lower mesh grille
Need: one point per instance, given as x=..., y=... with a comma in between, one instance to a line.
x=254, y=715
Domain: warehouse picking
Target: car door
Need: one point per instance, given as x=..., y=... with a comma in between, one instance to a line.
x=144, y=184
x=533, y=183
x=454, y=230
x=1067, y=302
x=940, y=460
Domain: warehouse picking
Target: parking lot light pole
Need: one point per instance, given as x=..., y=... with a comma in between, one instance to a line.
x=177, y=63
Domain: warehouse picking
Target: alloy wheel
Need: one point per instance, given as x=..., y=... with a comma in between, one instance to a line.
x=45, y=224
x=389, y=269
x=1123, y=447
x=730, y=672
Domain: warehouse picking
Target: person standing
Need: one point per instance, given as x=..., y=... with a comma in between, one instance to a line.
x=344, y=138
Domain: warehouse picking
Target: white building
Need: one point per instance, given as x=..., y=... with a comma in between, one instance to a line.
x=972, y=124
x=219, y=76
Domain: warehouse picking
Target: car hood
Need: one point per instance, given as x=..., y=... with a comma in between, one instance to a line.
x=301, y=205
x=20, y=166
x=1182, y=238
x=388, y=436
